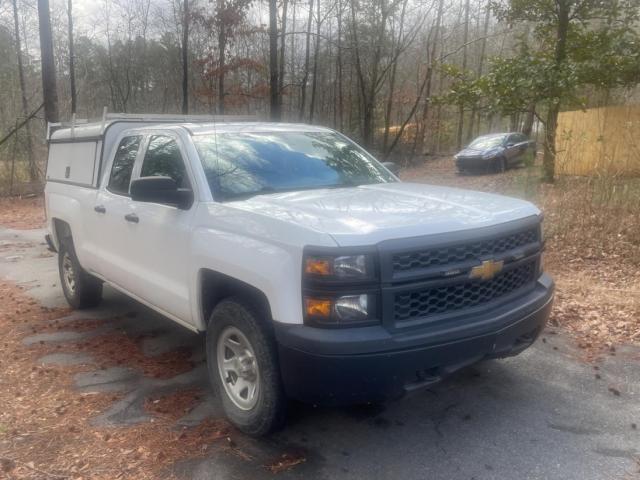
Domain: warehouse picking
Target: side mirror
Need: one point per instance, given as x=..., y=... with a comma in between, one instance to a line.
x=392, y=167
x=162, y=190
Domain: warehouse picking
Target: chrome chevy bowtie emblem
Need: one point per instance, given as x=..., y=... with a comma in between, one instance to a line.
x=487, y=270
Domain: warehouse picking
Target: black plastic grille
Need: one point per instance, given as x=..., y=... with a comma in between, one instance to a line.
x=403, y=262
x=437, y=300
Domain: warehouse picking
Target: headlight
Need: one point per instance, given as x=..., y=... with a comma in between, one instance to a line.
x=340, y=288
x=343, y=267
x=346, y=310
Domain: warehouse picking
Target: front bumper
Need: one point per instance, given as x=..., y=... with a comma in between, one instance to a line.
x=474, y=163
x=357, y=365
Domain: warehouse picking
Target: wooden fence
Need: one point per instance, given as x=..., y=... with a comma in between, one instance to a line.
x=599, y=141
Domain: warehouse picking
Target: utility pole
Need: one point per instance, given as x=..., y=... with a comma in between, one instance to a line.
x=49, y=87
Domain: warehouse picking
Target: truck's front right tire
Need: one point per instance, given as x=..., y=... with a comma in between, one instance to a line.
x=243, y=367
x=81, y=289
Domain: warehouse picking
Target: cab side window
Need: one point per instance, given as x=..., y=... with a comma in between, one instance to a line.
x=123, y=165
x=163, y=158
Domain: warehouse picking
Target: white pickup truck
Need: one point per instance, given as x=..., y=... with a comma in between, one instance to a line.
x=315, y=273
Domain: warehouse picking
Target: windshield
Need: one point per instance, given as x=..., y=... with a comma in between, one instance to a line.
x=240, y=165
x=482, y=143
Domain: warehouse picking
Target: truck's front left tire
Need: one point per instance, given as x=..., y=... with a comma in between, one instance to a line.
x=81, y=289
x=243, y=367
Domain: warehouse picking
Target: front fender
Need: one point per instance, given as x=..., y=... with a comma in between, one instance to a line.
x=274, y=270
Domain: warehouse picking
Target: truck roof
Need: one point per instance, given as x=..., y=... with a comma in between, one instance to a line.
x=94, y=130
x=245, y=127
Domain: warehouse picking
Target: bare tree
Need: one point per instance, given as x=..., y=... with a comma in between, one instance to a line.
x=305, y=76
x=33, y=167
x=316, y=54
x=185, y=57
x=283, y=30
x=274, y=93
x=72, y=69
x=465, y=40
x=483, y=49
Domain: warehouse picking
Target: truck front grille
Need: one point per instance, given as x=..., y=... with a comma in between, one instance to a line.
x=469, y=293
x=422, y=259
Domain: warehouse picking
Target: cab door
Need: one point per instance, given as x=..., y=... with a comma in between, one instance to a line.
x=107, y=245
x=159, y=247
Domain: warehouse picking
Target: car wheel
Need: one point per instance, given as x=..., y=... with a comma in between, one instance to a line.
x=500, y=165
x=243, y=367
x=81, y=289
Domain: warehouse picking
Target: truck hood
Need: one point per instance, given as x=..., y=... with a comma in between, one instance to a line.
x=369, y=214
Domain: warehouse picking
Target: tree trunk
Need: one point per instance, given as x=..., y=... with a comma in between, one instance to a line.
x=527, y=127
x=549, y=159
x=273, y=61
x=483, y=49
x=392, y=83
x=185, y=58
x=72, y=69
x=421, y=128
x=34, y=174
x=339, y=68
x=305, y=77
x=283, y=31
x=49, y=87
x=222, y=48
x=464, y=68
x=316, y=54
x=292, y=71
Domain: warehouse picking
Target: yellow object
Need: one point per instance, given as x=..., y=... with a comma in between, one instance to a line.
x=317, y=266
x=487, y=270
x=317, y=307
x=599, y=141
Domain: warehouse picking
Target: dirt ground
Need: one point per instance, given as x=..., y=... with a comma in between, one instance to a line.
x=47, y=429
x=22, y=213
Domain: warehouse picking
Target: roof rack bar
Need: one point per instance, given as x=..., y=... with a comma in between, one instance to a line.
x=153, y=117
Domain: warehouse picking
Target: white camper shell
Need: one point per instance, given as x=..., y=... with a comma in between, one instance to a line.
x=77, y=150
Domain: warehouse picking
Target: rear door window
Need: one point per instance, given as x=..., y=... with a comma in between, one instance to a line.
x=123, y=163
x=163, y=158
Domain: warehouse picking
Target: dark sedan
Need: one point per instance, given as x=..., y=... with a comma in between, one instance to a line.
x=494, y=152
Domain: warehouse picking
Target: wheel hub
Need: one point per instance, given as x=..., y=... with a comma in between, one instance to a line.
x=238, y=368
x=68, y=273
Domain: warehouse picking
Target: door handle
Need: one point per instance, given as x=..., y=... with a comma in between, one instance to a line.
x=100, y=209
x=131, y=217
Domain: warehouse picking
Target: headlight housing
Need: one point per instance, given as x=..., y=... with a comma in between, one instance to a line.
x=340, y=288
x=359, y=267
x=340, y=310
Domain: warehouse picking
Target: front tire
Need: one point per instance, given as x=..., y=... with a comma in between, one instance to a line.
x=81, y=289
x=243, y=367
x=500, y=165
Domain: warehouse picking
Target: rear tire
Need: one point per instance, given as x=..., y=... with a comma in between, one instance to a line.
x=81, y=289
x=243, y=367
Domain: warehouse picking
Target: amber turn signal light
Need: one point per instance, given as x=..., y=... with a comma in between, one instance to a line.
x=317, y=266
x=317, y=307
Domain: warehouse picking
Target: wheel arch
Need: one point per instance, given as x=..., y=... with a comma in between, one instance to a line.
x=60, y=230
x=213, y=287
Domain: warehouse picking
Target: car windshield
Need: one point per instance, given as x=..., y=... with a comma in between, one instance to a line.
x=481, y=143
x=240, y=165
